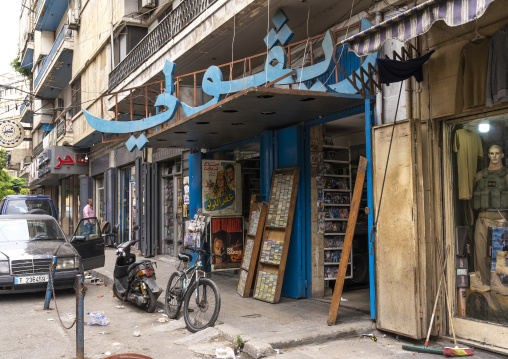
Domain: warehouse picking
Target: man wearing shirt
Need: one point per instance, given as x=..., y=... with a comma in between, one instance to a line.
x=88, y=213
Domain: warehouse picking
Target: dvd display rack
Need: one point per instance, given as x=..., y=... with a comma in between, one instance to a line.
x=277, y=234
x=337, y=194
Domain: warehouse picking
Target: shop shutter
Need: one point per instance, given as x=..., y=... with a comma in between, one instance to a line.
x=138, y=208
x=400, y=238
x=147, y=210
x=110, y=198
x=85, y=192
x=156, y=194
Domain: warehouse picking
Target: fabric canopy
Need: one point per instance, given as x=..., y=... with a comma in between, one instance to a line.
x=416, y=21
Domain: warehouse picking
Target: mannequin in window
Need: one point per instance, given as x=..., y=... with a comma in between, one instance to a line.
x=490, y=198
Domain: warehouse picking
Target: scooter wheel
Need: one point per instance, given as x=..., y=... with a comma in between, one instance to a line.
x=150, y=306
x=116, y=293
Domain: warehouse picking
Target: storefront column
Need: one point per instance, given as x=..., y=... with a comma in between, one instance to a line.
x=267, y=149
x=290, y=153
x=369, y=122
x=194, y=183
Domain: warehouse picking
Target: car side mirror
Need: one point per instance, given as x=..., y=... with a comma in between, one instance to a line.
x=78, y=239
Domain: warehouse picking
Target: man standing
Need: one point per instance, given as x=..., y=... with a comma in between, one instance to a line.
x=88, y=213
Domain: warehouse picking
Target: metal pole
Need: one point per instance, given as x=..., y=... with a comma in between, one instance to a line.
x=49, y=288
x=80, y=313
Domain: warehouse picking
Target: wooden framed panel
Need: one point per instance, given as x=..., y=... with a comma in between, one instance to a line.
x=277, y=233
x=254, y=235
x=397, y=249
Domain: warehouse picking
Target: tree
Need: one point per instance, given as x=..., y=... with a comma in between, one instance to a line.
x=16, y=65
x=9, y=185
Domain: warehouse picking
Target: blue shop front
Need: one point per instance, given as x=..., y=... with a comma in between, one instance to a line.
x=250, y=129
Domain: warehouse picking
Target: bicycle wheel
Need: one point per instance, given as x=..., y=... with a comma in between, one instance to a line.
x=199, y=316
x=174, y=295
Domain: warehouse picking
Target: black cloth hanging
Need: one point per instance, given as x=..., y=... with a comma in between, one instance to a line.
x=395, y=71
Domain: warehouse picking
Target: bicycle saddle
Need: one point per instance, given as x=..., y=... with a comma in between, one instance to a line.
x=185, y=257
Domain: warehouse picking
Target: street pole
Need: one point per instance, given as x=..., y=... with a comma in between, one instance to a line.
x=80, y=312
x=49, y=288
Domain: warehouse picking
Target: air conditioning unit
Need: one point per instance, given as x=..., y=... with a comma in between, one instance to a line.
x=145, y=5
x=73, y=19
x=59, y=105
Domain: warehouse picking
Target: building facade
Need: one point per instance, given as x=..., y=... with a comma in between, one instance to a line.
x=295, y=97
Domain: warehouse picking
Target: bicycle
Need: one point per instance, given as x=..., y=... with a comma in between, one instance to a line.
x=181, y=288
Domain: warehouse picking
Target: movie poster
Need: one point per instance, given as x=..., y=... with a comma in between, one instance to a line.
x=226, y=238
x=221, y=187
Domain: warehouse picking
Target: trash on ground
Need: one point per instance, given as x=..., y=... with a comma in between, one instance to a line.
x=119, y=306
x=278, y=351
x=160, y=311
x=225, y=353
x=96, y=319
x=88, y=276
x=136, y=333
x=163, y=320
x=50, y=319
x=371, y=336
x=100, y=296
x=343, y=299
x=165, y=315
x=107, y=353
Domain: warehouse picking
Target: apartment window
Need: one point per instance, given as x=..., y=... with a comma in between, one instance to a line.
x=76, y=96
x=128, y=38
x=2, y=93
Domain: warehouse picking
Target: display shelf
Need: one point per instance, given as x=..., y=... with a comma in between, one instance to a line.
x=336, y=161
x=336, y=168
x=330, y=147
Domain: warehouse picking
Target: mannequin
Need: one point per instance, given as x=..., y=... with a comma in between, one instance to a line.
x=490, y=198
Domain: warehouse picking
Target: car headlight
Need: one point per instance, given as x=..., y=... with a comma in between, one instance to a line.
x=4, y=267
x=65, y=263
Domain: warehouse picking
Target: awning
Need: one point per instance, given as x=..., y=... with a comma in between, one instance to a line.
x=249, y=113
x=416, y=21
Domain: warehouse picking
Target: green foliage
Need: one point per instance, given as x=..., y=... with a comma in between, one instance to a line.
x=16, y=65
x=9, y=185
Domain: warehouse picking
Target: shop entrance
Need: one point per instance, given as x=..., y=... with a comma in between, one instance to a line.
x=335, y=150
x=127, y=202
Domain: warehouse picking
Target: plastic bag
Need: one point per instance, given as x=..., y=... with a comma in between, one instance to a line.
x=96, y=319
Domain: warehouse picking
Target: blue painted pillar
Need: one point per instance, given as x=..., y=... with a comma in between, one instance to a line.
x=267, y=149
x=194, y=183
x=290, y=153
x=369, y=121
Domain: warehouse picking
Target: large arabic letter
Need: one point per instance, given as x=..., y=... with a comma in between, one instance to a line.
x=211, y=85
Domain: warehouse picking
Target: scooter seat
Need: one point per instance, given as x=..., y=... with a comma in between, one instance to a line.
x=133, y=265
x=185, y=257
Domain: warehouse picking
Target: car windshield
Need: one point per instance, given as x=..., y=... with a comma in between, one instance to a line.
x=22, y=206
x=12, y=230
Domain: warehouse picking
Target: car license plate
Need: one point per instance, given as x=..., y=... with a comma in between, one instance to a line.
x=31, y=279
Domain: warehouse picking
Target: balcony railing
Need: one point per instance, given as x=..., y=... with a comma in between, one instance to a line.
x=25, y=103
x=60, y=128
x=37, y=150
x=167, y=29
x=61, y=36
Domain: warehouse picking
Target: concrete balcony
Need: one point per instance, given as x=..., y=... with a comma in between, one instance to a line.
x=27, y=54
x=56, y=70
x=199, y=33
x=26, y=113
x=49, y=14
x=43, y=112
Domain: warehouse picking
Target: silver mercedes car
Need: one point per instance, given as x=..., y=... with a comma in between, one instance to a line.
x=28, y=244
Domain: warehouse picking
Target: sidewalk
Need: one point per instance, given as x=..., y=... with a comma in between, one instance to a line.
x=266, y=326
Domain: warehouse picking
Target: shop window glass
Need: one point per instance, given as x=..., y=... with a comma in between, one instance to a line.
x=479, y=152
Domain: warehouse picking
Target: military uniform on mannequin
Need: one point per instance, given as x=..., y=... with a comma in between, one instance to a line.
x=490, y=198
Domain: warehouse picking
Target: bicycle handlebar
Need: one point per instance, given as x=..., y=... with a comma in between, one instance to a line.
x=202, y=251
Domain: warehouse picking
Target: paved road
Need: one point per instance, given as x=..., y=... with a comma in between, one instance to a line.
x=27, y=331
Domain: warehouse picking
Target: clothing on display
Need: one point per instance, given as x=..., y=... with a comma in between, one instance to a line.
x=468, y=146
x=491, y=191
x=396, y=71
x=497, y=73
x=482, y=261
x=471, y=90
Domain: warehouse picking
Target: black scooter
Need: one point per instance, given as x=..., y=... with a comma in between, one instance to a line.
x=135, y=280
